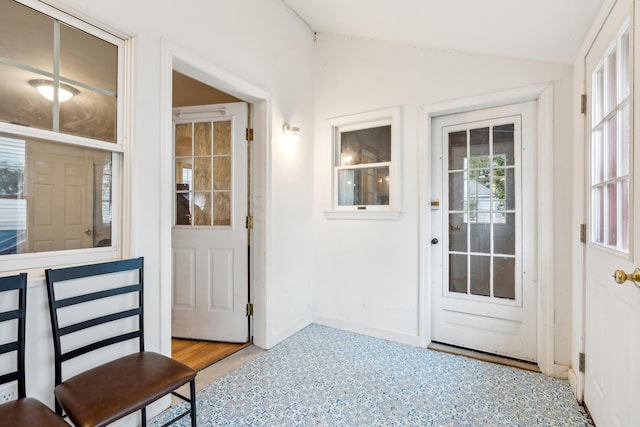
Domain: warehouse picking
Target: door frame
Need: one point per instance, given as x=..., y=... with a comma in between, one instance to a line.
x=543, y=93
x=176, y=58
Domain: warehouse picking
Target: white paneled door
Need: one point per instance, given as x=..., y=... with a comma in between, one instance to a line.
x=484, y=291
x=612, y=311
x=209, y=236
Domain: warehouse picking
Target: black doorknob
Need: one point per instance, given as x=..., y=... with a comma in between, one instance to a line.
x=434, y=241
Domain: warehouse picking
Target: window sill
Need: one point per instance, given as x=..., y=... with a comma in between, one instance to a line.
x=361, y=215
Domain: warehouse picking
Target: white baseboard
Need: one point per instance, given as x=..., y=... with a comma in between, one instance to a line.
x=399, y=337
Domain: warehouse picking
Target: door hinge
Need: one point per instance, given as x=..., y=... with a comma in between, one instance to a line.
x=248, y=222
x=583, y=103
x=581, y=362
x=250, y=309
x=583, y=233
x=249, y=134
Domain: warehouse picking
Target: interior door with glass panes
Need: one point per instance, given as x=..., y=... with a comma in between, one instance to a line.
x=209, y=238
x=612, y=311
x=484, y=291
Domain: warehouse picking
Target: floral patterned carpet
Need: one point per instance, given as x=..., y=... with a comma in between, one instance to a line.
x=327, y=377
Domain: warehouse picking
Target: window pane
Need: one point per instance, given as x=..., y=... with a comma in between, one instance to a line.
x=480, y=238
x=69, y=193
x=457, y=233
x=480, y=275
x=202, y=208
x=222, y=138
x=20, y=102
x=183, y=140
x=458, y=273
x=612, y=214
x=624, y=216
x=503, y=145
x=504, y=236
x=222, y=208
x=202, y=174
x=183, y=207
x=611, y=95
x=457, y=150
x=222, y=173
x=479, y=142
x=625, y=82
x=504, y=278
x=26, y=36
x=90, y=114
x=87, y=59
x=598, y=96
x=457, y=191
x=623, y=152
x=372, y=145
x=366, y=186
x=202, y=138
x=611, y=147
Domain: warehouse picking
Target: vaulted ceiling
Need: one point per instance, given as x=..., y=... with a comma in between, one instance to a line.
x=545, y=30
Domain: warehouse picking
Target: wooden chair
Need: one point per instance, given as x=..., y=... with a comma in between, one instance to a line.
x=90, y=306
x=24, y=411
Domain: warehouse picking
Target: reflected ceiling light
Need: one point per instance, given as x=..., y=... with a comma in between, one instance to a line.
x=291, y=132
x=45, y=88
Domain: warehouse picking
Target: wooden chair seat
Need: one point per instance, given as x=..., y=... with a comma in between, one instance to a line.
x=131, y=382
x=29, y=412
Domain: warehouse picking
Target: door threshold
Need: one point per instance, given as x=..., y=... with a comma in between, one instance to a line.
x=486, y=357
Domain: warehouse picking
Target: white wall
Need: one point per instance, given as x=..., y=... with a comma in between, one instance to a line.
x=265, y=45
x=366, y=273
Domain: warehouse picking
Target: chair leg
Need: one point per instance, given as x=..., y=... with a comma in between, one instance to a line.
x=144, y=417
x=192, y=387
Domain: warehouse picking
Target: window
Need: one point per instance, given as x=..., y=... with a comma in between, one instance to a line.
x=365, y=165
x=610, y=147
x=61, y=130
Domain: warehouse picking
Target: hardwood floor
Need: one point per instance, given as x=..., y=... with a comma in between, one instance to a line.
x=200, y=354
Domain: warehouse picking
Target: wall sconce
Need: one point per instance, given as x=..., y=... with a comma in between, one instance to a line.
x=45, y=88
x=291, y=132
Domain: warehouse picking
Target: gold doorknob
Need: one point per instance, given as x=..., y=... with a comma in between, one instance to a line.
x=621, y=277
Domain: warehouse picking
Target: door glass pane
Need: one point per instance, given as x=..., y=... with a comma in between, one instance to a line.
x=504, y=236
x=482, y=210
x=458, y=273
x=202, y=208
x=610, y=147
x=457, y=232
x=457, y=190
x=203, y=173
x=480, y=275
x=503, y=277
x=202, y=143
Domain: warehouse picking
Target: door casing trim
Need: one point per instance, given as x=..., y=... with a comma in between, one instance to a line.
x=543, y=93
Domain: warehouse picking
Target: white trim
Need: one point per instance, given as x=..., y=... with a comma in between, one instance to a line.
x=543, y=92
x=174, y=57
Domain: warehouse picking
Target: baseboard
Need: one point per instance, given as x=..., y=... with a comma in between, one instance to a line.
x=574, y=382
x=398, y=337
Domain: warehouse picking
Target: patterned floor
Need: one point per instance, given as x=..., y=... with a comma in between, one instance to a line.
x=327, y=377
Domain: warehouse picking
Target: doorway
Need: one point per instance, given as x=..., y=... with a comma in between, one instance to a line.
x=210, y=274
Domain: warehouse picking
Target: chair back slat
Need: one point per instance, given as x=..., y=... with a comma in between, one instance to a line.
x=98, y=345
x=98, y=321
x=67, y=297
x=96, y=295
x=17, y=312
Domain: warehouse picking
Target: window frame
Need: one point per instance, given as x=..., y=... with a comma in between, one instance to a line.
x=367, y=120
x=120, y=150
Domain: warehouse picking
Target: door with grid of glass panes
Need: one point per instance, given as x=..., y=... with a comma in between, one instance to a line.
x=209, y=236
x=484, y=293
x=612, y=311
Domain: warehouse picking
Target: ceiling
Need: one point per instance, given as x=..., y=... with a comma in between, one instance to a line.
x=545, y=30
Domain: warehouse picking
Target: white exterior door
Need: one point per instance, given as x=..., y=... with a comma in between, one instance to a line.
x=484, y=290
x=612, y=311
x=210, y=239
